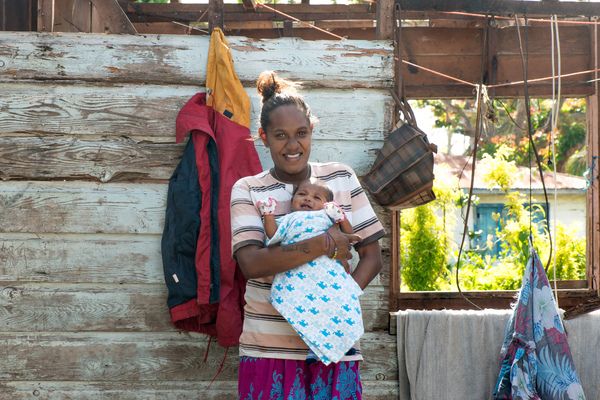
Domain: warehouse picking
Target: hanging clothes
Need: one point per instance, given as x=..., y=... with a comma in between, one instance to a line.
x=536, y=362
x=205, y=285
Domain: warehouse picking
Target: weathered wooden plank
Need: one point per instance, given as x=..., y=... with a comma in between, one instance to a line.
x=45, y=12
x=56, y=158
x=428, y=41
x=176, y=59
x=113, y=16
x=72, y=16
x=82, y=207
x=151, y=357
x=191, y=12
x=504, y=7
x=121, y=390
x=137, y=161
x=182, y=390
x=149, y=111
x=495, y=299
x=83, y=307
x=67, y=258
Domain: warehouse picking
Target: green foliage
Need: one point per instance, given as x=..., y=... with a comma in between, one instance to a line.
x=425, y=238
x=508, y=127
x=570, y=254
x=427, y=248
x=499, y=171
x=423, y=245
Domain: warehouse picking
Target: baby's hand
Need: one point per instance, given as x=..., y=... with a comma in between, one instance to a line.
x=267, y=207
x=335, y=212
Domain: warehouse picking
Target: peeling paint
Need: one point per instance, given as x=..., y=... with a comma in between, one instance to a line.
x=115, y=70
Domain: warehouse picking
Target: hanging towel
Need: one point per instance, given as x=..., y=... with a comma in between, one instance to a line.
x=536, y=362
x=206, y=287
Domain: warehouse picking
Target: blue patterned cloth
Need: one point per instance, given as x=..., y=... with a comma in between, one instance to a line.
x=536, y=362
x=319, y=299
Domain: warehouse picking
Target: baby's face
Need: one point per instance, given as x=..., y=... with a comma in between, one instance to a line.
x=309, y=197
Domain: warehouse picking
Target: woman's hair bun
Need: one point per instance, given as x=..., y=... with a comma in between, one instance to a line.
x=269, y=84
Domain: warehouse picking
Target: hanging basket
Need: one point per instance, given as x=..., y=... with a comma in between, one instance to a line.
x=402, y=174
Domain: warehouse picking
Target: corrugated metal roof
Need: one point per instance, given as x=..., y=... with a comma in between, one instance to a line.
x=461, y=164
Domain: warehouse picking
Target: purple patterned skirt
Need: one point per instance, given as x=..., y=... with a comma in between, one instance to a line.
x=276, y=379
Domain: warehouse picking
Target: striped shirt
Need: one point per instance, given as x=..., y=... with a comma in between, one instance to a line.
x=266, y=333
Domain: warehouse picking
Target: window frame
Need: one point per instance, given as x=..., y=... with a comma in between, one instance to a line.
x=418, y=85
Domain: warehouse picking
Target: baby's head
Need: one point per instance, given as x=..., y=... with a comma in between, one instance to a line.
x=311, y=195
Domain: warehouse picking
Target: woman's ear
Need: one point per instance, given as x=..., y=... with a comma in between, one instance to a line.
x=263, y=137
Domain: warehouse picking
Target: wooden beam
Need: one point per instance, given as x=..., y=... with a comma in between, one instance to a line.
x=504, y=7
x=385, y=19
x=496, y=299
x=2, y=15
x=249, y=5
x=151, y=12
x=114, y=17
x=72, y=16
x=45, y=22
x=215, y=15
x=288, y=26
x=18, y=15
x=593, y=192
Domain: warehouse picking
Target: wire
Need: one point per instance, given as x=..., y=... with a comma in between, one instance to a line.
x=533, y=148
x=555, y=113
x=297, y=20
x=480, y=91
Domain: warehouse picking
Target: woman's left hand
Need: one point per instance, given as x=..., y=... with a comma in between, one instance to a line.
x=342, y=245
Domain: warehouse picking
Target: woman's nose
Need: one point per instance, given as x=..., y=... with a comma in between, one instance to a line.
x=292, y=142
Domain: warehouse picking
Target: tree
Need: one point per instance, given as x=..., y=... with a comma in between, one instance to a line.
x=506, y=123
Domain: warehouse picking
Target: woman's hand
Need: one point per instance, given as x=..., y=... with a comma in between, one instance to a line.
x=341, y=245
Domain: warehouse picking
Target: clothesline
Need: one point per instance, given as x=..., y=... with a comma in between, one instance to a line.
x=500, y=84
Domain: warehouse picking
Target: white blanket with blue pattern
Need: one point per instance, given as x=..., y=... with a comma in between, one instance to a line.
x=319, y=299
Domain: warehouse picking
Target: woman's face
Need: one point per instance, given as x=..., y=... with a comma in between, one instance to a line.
x=288, y=138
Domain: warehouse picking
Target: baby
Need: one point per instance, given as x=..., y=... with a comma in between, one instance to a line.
x=319, y=299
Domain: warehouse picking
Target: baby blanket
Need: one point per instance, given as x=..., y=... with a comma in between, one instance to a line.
x=319, y=299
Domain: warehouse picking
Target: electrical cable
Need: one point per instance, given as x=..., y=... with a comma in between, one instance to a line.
x=532, y=144
x=478, y=124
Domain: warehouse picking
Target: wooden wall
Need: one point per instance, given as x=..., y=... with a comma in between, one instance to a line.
x=86, y=149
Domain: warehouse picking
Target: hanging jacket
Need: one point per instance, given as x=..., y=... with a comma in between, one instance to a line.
x=205, y=285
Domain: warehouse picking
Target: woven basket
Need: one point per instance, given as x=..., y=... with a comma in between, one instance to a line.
x=402, y=174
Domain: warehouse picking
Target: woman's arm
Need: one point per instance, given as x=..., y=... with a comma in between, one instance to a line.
x=259, y=262
x=369, y=264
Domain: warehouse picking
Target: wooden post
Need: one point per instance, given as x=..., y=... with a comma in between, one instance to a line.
x=593, y=192
x=115, y=19
x=249, y=5
x=385, y=19
x=288, y=26
x=215, y=15
x=45, y=22
x=492, y=45
x=395, y=278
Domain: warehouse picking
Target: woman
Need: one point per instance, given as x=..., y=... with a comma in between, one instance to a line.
x=272, y=354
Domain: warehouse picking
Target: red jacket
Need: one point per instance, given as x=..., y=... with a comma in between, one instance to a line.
x=206, y=286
